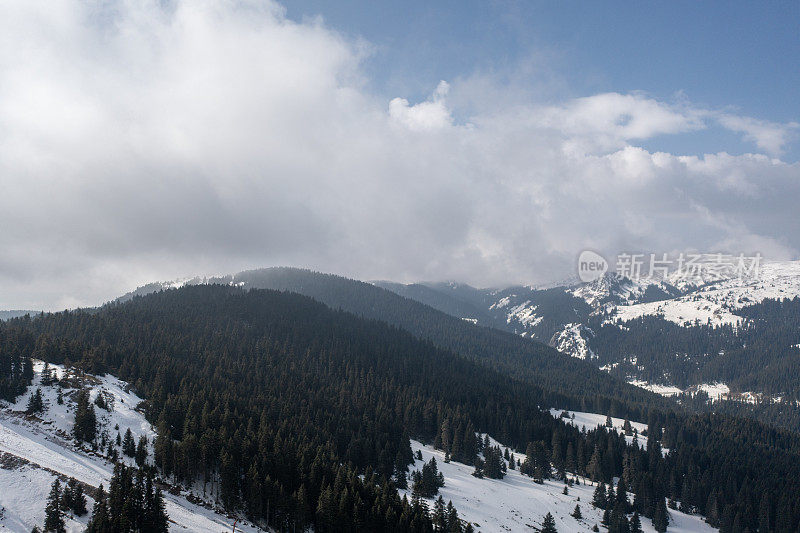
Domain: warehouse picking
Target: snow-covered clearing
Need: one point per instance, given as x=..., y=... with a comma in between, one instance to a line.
x=590, y=421
x=516, y=503
x=663, y=390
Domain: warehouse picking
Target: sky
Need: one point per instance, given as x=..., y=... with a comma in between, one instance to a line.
x=481, y=142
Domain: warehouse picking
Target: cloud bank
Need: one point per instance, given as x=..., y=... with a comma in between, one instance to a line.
x=151, y=140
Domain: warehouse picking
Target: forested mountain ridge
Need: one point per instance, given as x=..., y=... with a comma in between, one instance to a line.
x=292, y=406
x=581, y=385
x=734, y=341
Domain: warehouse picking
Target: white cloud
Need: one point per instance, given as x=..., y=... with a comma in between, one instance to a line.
x=429, y=115
x=142, y=142
x=768, y=136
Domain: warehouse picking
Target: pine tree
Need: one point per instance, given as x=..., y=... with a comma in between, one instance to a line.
x=47, y=375
x=636, y=523
x=439, y=515
x=595, y=468
x=453, y=522
x=54, y=521
x=85, y=427
x=141, y=451
x=549, y=524
x=622, y=495
x=35, y=403
x=599, y=499
x=576, y=513
x=78, y=500
x=128, y=444
x=72, y=498
x=99, y=522
x=661, y=516
x=157, y=513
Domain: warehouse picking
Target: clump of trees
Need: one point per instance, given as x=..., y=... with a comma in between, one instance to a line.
x=85, y=428
x=428, y=480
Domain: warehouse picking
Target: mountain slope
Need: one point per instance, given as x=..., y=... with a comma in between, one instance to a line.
x=291, y=406
x=675, y=336
x=577, y=381
x=36, y=449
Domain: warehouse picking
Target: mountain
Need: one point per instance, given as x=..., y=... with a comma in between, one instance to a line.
x=5, y=315
x=284, y=408
x=726, y=337
x=580, y=384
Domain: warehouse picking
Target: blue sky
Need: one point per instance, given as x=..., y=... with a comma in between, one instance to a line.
x=741, y=57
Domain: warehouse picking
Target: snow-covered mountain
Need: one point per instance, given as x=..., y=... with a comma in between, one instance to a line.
x=35, y=449
x=716, y=302
x=592, y=320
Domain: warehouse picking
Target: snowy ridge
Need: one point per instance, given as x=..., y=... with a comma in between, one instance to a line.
x=524, y=313
x=35, y=449
x=716, y=303
x=610, y=288
x=571, y=341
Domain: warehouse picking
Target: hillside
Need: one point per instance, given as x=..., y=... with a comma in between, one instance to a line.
x=729, y=337
x=35, y=449
x=580, y=384
x=273, y=395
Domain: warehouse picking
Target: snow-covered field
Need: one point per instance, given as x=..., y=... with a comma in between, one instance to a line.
x=516, y=503
x=45, y=443
x=663, y=390
x=590, y=421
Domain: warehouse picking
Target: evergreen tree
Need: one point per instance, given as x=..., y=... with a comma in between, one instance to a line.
x=549, y=524
x=85, y=427
x=576, y=513
x=141, y=451
x=594, y=468
x=99, y=522
x=427, y=481
x=100, y=401
x=35, y=403
x=599, y=499
x=47, y=375
x=72, y=498
x=494, y=467
x=661, y=516
x=54, y=521
x=622, y=495
x=636, y=523
x=128, y=444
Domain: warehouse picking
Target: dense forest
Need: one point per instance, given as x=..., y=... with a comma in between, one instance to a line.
x=506, y=352
x=761, y=354
x=303, y=414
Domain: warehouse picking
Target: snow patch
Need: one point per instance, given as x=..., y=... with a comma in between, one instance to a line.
x=516, y=503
